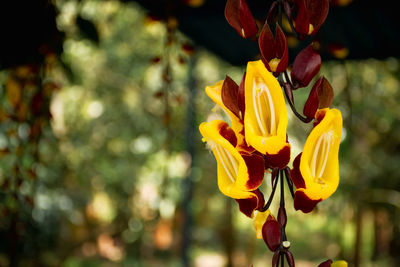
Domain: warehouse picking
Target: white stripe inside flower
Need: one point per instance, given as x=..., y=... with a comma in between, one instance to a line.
x=320, y=156
x=264, y=108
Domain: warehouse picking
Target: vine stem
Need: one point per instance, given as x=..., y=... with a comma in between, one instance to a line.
x=289, y=181
x=275, y=177
x=291, y=104
x=282, y=204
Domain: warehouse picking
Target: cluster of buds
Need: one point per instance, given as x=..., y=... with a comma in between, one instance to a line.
x=255, y=142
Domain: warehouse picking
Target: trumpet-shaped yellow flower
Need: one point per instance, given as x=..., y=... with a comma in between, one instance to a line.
x=265, y=117
x=316, y=176
x=238, y=174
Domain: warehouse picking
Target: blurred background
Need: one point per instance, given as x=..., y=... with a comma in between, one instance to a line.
x=101, y=162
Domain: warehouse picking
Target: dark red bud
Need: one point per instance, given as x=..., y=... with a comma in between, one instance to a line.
x=281, y=49
x=271, y=233
x=302, y=24
x=282, y=218
x=239, y=16
x=229, y=94
x=311, y=14
x=273, y=49
x=326, y=263
x=266, y=43
x=318, y=11
x=306, y=65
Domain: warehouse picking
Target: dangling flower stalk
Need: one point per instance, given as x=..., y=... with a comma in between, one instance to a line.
x=256, y=140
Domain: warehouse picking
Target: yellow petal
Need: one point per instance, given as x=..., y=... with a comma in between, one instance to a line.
x=231, y=167
x=319, y=163
x=265, y=117
x=339, y=264
x=259, y=221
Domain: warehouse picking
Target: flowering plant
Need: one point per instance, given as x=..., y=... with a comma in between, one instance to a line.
x=256, y=141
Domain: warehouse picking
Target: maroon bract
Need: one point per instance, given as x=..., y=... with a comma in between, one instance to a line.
x=274, y=51
x=239, y=16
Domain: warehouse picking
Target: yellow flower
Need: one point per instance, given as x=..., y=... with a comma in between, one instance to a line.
x=265, y=117
x=238, y=174
x=317, y=175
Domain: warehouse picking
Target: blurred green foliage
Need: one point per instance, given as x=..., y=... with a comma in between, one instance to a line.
x=111, y=169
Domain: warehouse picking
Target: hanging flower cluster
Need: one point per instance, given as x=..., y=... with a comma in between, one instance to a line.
x=255, y=141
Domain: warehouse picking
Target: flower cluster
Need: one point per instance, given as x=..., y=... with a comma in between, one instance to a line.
x=255, y=141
